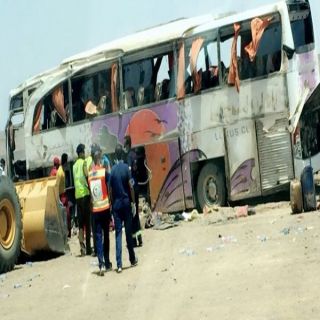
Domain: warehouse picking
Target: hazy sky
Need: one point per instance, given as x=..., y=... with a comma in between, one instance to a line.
x=38, y=34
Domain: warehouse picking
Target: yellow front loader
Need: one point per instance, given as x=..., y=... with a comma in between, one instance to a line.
x=32, y=219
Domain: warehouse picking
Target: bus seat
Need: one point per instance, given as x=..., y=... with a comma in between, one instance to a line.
x=140, y=98
x=128, y=96
x=53, y=119
x=260, y=66
x=188, y=85
x=149, y=94
x=165, y=89
x=157, y=91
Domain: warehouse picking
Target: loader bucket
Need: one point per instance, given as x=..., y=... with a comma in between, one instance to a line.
x=43, y=217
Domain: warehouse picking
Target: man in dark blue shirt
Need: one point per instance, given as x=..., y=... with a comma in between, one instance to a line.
x=122, y=200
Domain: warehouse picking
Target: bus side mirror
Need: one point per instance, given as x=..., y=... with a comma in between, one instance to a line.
x=289, y=51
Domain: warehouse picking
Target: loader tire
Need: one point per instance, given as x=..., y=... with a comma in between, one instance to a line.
x=10, y=225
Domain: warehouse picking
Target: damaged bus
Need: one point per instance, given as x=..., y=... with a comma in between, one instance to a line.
x=218, y=108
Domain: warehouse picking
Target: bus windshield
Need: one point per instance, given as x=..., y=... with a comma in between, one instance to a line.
x=301, y=25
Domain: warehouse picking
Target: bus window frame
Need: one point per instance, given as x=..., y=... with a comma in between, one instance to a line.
x=208, y=37
x=143, y=54
x=245, y=27
x=295, y=15
x=41, y=99
x=98, y=67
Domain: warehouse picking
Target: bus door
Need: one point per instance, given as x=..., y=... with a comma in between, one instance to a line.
x=166, y=188
x=243, y=161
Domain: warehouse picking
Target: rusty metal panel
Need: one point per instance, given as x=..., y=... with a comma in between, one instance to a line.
x=275, y=153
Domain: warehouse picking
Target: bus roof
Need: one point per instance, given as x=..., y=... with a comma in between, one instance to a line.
x=37, y=79
x=236, y=17
x=146, y=38
x=149, y=37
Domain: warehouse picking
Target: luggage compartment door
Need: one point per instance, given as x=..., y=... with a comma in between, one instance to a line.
x=243, y=160
x=275, y=153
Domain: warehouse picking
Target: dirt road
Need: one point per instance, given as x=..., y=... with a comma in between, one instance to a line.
x=260, y=267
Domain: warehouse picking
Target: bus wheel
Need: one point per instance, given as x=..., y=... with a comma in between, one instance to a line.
x=10, y=225
x=211, y=189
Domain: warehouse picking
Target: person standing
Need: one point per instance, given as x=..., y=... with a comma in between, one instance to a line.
x=56, y=164
x=82, y=196
x=122, y=199
x=61, y=189
x=97, y=178
x=133, y=166
x=87, y=164
x=106, y=163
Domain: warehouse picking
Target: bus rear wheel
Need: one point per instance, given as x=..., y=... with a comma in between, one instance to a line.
x=211, y=189
x=10, y=225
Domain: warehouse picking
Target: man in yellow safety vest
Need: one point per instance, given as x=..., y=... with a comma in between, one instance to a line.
x=82, y=196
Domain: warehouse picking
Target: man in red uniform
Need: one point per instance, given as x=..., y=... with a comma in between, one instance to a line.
x=56, y=164
x=97, y=178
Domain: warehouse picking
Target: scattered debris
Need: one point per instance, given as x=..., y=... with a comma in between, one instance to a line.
x=296, y=229
x=188, y=252
x=309, y=228
x=262, y=238
x=189, y=216
x=178, y=217
x=3, y=277
x=17, y=285
x=244, y=211
x=147, y=215
x=29, y=263
x=37, y=275
x=94, y=263
x=285, y=231
x=4, y=295
x=66, y=286
x=165, y=225
x=228, y=239
x=210, y=209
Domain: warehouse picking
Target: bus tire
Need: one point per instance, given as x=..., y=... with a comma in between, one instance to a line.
x=10, y=225
x=211, y=188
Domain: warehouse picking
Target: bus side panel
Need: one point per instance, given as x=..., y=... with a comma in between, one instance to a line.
x=156, y=129
x=243, y=160
x=43, y=147
x=166, y=187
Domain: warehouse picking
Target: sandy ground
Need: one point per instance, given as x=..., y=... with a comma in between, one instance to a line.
x=260, y=267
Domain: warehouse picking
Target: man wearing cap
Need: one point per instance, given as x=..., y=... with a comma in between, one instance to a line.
x=122, y=199
x=97, y=178
x=56, y=164
x=82, y=195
